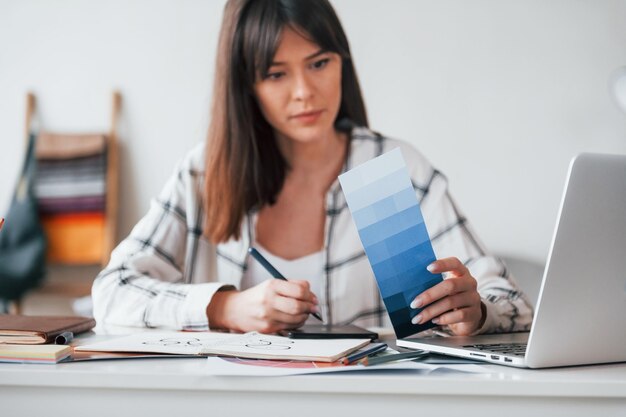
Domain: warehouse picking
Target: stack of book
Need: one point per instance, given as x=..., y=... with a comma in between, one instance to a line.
x=31, y=339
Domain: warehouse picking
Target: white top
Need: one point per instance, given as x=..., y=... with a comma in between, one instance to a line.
x=309, y=267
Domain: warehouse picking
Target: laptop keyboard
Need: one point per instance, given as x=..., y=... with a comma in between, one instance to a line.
x=512, y=349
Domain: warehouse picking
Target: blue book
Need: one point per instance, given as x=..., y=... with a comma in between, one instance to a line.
x=389, y=220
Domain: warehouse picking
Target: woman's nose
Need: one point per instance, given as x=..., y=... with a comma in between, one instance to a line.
x=302, y=88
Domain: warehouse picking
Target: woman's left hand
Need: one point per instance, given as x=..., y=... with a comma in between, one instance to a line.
x=454, y=302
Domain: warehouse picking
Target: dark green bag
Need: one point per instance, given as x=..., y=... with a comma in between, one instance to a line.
x=22, y=239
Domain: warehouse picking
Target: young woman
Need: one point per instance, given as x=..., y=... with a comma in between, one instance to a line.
x=287, y=119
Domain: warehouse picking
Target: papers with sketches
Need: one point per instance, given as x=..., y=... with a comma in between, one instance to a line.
x=249, y=345
x=389, y=220
x=260, y=346
x=259, y=367
x=84, y=355
x=176, y=343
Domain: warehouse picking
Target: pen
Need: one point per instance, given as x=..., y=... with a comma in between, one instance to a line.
x=270, y=268
x=64, y=338
x=361, y=353
x=392, y=358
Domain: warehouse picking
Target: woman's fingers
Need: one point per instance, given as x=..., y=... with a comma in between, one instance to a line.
x=455, y=300
x=296, y=289
x=451, y=264
x=451, y=302
x=292, y=306
x=462, y=315
x=445, y=288
x=271, y=306
x=288, y=305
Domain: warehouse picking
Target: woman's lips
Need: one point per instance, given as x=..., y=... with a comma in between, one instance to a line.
x=308, y=117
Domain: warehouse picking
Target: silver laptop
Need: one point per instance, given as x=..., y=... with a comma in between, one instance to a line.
x=581, y=312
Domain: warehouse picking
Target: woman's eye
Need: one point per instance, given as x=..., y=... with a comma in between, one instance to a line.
x=321, y=63
x=274, y=75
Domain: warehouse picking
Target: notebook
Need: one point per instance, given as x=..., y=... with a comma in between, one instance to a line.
x=32, y=330
x=249, y=345
x=581, y=311
x=34, y=353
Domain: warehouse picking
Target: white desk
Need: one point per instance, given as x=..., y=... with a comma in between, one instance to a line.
x=179, y=387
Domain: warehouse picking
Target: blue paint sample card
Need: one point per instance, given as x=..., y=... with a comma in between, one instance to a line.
x=387, y=215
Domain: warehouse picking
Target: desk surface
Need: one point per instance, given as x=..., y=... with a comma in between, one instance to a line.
x=156, y=384
x=189, y=374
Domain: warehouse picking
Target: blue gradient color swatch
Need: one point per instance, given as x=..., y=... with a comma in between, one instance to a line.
x=387, y=215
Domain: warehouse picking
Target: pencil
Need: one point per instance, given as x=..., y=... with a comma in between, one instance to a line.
x=1, y=222
x=361, y=353
x=392, y=358
x=270, y=268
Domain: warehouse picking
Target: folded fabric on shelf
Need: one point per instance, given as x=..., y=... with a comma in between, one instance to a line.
x=71, y=204
x=65, y=146
x=76, y=188
x=70, y=187
x=70, y=179
x=75, y=238
x=63, y=175
x=87, y=162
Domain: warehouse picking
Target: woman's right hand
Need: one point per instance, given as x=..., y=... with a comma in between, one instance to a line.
x=268, y=307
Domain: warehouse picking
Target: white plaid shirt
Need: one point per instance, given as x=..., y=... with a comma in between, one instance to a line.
x=165, y=272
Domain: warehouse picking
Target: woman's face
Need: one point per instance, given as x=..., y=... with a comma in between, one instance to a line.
x=301, y=95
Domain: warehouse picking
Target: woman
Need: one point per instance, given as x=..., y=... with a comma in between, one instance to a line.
x=287, y=119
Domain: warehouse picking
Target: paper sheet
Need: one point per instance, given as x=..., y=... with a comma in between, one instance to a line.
x=262, y=346
x=184, y=343
x=218, y=366
x=249, y=345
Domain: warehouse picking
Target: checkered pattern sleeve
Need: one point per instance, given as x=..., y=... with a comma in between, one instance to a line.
x=147, y=282
x=508, y=308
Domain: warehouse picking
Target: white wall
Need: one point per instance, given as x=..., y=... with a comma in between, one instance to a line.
x=499, y=94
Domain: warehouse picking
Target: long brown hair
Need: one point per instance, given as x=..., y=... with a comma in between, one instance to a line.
x=244, y=167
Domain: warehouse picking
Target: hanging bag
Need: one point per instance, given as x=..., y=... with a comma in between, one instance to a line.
x=22, y=239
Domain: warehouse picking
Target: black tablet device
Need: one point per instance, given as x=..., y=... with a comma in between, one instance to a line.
x=323, y=331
